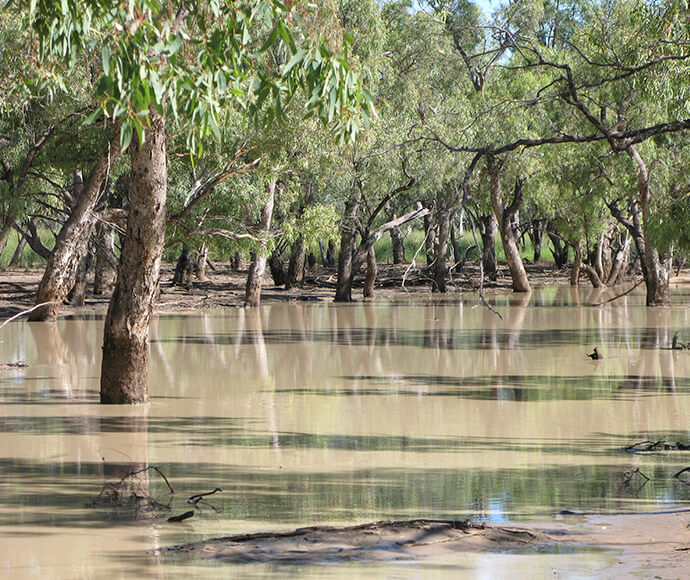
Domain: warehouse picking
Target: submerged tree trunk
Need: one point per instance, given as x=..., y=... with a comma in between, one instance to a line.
x=505, y=216
x=577, y=266
x=655, y=268
x=346, y=273
x=72, y=241
x=124, y=370
x=77, y=294
x=370, y=279
x=252, y=293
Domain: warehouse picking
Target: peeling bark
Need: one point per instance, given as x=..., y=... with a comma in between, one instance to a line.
x=124, y=369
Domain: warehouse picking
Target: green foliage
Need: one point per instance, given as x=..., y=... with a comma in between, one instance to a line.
x=194, y=60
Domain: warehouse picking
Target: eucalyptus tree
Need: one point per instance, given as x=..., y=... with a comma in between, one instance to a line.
x=185, y=62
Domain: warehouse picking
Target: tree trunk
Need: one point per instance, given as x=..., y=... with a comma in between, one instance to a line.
x=106, y=262
x=429, y=240
x=5, y=232
x=560, y=248
x=658, y=268
x=201, y=263
x=370, y=279
x=252, y=294
x=536, y=234
x=238, y=262
x=440, y=248
x=488, y=227
x=77, y=295
x=577, y=265
x=397, y=240
x=277, y=267
x=18, y=251
x=619, y=260
x=184, y=269
x=124, y=370
x=343, y=287
x=72, y=241
x=298, y=257
x=504, y=216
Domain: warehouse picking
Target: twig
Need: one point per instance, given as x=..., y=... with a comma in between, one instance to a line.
x=23, y=312
x=412, y=263
x=194, y=499
x=481, y=264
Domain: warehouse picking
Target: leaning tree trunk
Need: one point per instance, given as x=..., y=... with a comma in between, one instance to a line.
x=370, y=279
x=124, y=370
x=72, y=241
x=252, y=293
x=658, y=268
x=504, y=216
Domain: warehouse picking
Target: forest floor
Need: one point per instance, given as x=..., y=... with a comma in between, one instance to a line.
x=225, y=287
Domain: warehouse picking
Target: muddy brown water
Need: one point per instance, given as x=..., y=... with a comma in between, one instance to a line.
x=310, y=414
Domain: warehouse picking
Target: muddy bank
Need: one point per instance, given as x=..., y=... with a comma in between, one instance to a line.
x=644, y=545
x=225, y=288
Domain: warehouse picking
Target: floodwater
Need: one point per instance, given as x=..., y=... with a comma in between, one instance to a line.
x=315, y=413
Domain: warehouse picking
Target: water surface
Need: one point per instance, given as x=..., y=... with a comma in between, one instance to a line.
x=319, y=413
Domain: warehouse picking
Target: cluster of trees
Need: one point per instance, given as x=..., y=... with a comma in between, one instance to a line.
x=260, y=126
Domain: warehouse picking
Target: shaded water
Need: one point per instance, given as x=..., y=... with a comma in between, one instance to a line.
x=316, y=413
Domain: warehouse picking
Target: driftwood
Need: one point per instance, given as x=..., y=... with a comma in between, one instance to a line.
x=20, y=364
x=647, y=446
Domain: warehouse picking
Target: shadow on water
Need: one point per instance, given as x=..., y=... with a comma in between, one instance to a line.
x=58, y=494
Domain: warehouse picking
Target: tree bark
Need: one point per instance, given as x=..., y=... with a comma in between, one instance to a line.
x=18, y=251
x=124, y=369
x=440, y=247
x=488, y=227
x=252, y=293
x=397, y=240
x=577, y=266
x=72, y=241
x=504, y=217
x=658, y=268
x=298, y=257
x=105, y=271
x=346, y=273
x=201, y=263
x=184, y=269
x=77, y=294
x=370, y=279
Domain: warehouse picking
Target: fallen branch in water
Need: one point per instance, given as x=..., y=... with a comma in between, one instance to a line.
x=20, y=364
x=195, y=499
x=23, y=312
x=619, y=295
